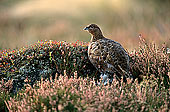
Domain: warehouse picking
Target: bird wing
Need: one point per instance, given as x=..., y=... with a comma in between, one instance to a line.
x=108, y=56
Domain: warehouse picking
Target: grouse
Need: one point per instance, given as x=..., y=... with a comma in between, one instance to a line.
x=107, y=56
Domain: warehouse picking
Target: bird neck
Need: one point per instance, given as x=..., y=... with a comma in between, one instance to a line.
x=97, y=37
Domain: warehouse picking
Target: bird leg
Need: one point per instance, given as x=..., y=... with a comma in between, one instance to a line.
x=105, y=79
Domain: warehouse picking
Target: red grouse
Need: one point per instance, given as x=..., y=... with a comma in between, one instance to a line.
x=108, y=56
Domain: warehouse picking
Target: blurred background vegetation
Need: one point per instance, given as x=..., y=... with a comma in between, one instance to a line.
x=23, y=22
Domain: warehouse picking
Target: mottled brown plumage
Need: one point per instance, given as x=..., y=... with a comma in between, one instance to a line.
x=106, y=55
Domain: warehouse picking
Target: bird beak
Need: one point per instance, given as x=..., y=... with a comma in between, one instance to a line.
x=86, y=28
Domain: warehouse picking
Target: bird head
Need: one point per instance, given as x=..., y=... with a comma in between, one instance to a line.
x=93, y=29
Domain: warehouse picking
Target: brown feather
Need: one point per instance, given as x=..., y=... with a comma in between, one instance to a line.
x=107, y=55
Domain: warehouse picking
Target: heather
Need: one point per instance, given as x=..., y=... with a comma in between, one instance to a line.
x=57, y=76
x=44, y=59
x=78, y=94
x=150, y=60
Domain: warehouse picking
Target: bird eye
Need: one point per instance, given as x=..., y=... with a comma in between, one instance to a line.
x=91, y=27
